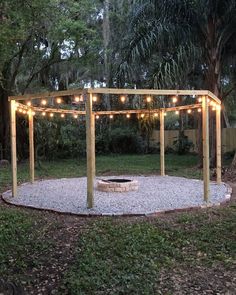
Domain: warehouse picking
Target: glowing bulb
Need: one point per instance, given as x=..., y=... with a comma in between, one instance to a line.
x=24, y=112
x=177, y=112
x=97, y=117
x=51, y=115
x=81, y=98
x=28, y=103
x=33, y=113
x=58, y=100
x=156, y=115
x=43, y=114
x=165, y=114
x=62, y=115
x=77, y=98
x=199, y=110
x=43, y=102
x=111, y=116
x=75, y=116
x=214, y=108
x=128, y=116
x=199, y=99
x=95, y=98
x=142, y=115
x=189, y=111
x=149, y=99
x=123, y=98
x=174, y=99
x=20, y=110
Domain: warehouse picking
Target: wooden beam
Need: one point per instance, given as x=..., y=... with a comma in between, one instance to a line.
x=218, y=144
x=31, y=145
x=90, y=140
x=13, y=148
x=147, y=91
x=48, y=94
x=205, y=140
x=215, y=98
x=162, y=142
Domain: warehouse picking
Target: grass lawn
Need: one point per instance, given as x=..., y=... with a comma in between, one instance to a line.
x=131, y=164
x=184, y=253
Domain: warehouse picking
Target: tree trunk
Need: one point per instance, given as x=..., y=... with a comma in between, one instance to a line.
x=233, y=164
x=4, y=124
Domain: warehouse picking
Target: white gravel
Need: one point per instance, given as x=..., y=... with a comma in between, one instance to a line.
x=155, y=194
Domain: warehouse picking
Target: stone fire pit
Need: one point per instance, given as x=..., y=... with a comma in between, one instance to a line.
x=117, y=185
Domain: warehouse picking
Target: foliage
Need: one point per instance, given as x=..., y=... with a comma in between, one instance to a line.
x=183, y=145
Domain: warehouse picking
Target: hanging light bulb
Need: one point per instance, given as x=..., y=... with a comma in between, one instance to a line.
x=75, y=116
x=123, y=98
x=200, y=99
x=43, y=114
x=189, y=111
x=177, y=112
x=51, y=115
x=29, y=103
x=156, y=115
x=165, y=114
x=58, y=100
x=111, y=116
x=62, y=115
x=174, y=99
x=33, y=113
x=213, y=108
x=43, y=102
x=128, y=116
x=149, y=99
x=199, y=110
x=142, y=116
x=95, y=98
x=77, y=98
x=24, y=112
x=20, y=111
x=97, y=117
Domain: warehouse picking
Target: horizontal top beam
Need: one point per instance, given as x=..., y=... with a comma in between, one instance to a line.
x=116, y=91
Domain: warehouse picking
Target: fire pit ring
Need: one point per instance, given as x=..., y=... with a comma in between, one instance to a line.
x=118, y=185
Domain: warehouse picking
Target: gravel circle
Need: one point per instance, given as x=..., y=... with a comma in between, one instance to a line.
x=155, y=194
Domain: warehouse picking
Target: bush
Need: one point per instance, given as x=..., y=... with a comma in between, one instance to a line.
x=182, y=145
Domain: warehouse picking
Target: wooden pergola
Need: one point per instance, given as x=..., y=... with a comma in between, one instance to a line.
x=205, y=100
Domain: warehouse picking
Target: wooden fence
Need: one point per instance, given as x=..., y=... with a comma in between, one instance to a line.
x=228, y=138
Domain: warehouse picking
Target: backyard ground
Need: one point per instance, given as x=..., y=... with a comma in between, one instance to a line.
x=181, y=253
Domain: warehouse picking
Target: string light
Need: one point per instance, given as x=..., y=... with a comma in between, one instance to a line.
x=199, y=110
x=97, y=117
x=142, y=116
x=62, y=115
x=200, y=99
x=174, y=99
x=149, y=99
x=189, y=111
x=77, y=98
x=75, y=116
x=29, y=103
x=43, y=114
x=33, y=113
x=43, y=102
x=128, y=116
x=20, y=110
x=156, y=115
x=51, y=115
x=111, y=116
x=214, y=108
x=165, y=114
x=177, y=112
x=58, y=100
x=95, y=98
x=123, y=98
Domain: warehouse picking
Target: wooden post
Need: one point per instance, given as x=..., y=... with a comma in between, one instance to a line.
x=162, y=142
x=31, y=145
x=205, y=141
x=90, y=141
x=13, y=148
x=218, y=144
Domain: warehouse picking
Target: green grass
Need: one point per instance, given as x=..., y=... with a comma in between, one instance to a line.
x=118, y=164
x=22, y=246
x=127, y=258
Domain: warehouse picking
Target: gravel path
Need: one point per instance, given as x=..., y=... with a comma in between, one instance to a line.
x=155, y=194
